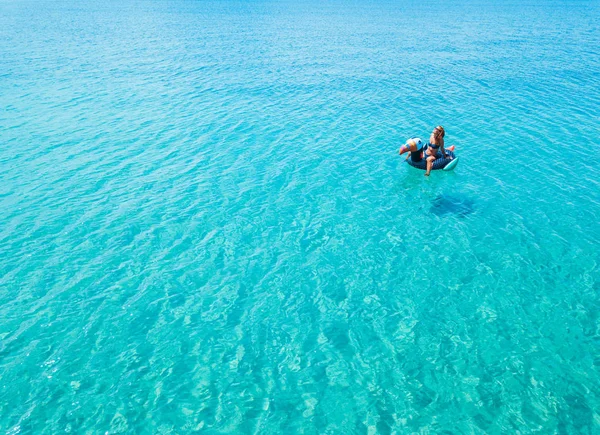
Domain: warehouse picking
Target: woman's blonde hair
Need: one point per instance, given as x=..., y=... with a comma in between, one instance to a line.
x=439, y=132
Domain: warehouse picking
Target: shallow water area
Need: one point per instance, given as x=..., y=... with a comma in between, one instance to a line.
x=206, y=224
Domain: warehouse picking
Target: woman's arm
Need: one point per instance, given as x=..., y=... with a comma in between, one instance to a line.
x=442, y=147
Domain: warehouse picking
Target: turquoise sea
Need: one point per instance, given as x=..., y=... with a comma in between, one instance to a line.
x=205, y=225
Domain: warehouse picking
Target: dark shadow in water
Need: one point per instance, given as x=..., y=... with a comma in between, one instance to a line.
x=456, y=205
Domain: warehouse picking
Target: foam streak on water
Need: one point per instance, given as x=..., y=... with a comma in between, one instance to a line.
x=205, y=224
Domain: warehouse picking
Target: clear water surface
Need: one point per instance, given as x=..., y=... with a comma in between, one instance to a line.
x=205, y=225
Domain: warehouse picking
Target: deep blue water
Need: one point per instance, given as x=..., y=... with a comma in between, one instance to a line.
x=205, y=224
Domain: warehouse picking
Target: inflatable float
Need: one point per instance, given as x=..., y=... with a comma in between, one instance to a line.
x=418, y=160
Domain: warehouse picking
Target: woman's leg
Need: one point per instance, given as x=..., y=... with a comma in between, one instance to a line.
x=430, y=160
